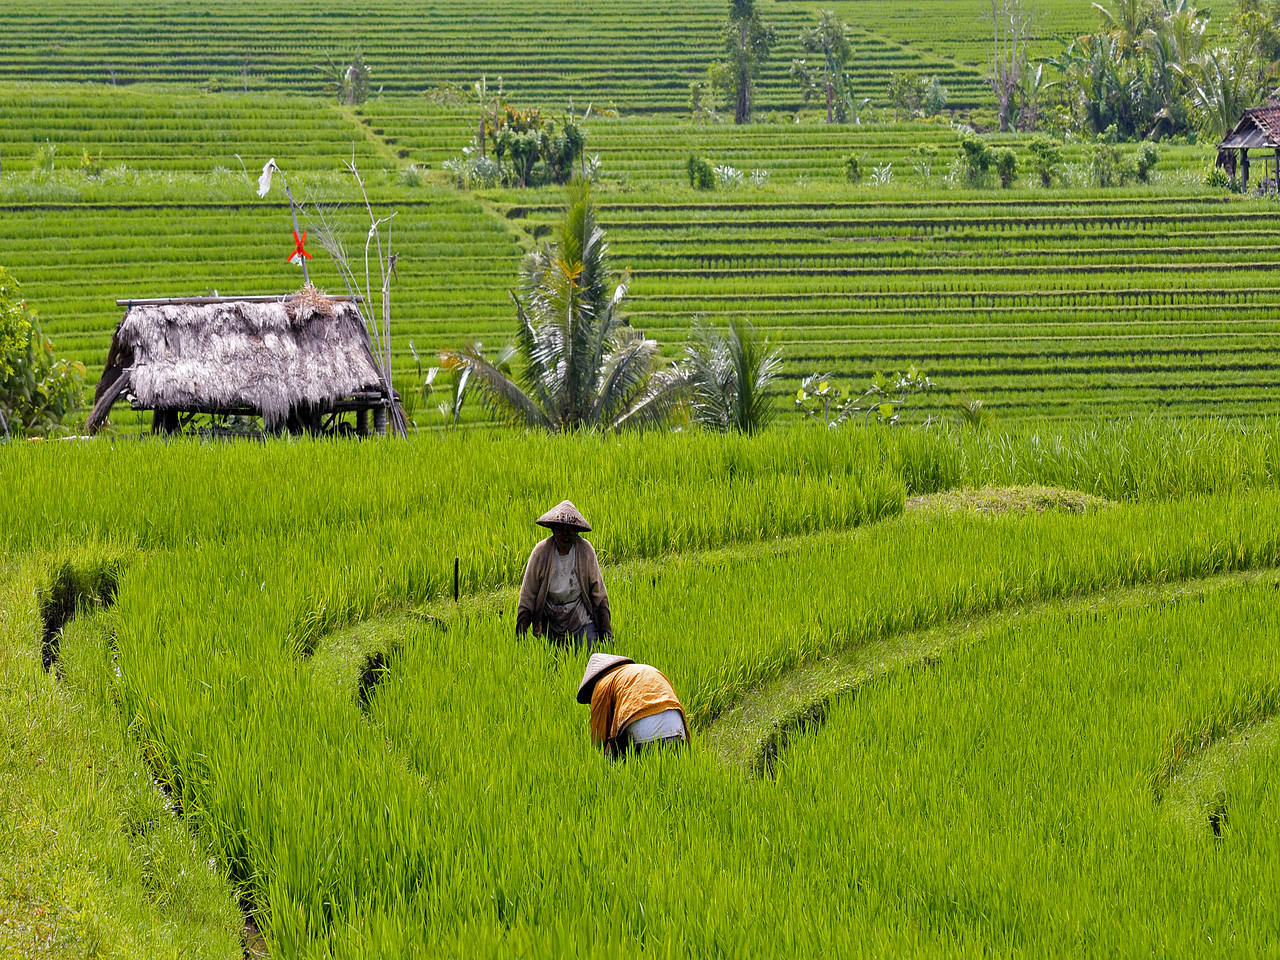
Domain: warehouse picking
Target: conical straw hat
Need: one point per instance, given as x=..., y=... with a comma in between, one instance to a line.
x=597, y=667
x=566, y=514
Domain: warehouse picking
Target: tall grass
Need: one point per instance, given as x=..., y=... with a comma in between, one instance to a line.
x=464, y=810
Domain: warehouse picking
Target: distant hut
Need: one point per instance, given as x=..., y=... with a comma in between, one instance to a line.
x=1258, y=129
x=299, y=362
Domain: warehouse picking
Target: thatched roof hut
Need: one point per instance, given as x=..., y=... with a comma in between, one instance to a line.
x=1257, y=129
x=291, y=360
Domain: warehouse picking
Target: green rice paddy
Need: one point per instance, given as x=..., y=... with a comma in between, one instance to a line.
x=954, y=692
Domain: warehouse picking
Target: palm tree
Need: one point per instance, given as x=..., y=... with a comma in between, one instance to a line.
x=730, y=376
x=1127, y=21
x=1223, y=85
x=580, y=365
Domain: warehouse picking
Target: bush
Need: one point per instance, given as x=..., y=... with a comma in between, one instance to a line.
x=852, y=168
x=935, y=98
x=38, y=392
x=1105, y=164
x=975, y=156
x=926, y=157
x=1218, y=179
x=1144, y=159
x=906, y=94
x=1006, y=164
x=1046, y=155
x=702, y=175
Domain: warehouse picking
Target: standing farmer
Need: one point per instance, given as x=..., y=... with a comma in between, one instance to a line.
x=632, y=705
x=563, y=594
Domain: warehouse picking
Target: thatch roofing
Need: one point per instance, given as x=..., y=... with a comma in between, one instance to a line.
x=1257, y=127
x=261, y=355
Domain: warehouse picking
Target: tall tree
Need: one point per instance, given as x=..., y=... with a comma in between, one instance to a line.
x=580, y=366
x=747, y=41
x=831, y=39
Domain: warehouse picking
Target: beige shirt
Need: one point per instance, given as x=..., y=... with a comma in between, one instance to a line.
x=564, y=586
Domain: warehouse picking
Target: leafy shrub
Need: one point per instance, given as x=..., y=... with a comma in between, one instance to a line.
x=1144, y=159
x=852, y=168
x=883, y=174
x=975, y=156
x=973, y=414
x=1046, y=155
x=349, y=82
x=926, y=157
x=472, y=170
x=90, y=166
x=906, y=94
x=42, y=158
x=702, y=176
x=727, y=176
x=730, y=377
x=935, y=98
x=1105, y=165
x=1218, y=179
x=38, y=391
x=883, y=401
x=1006, y=164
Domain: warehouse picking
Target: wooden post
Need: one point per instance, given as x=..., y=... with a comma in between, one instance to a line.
x=380, y=420
x=362, y=422
x=1244, y=169
x=455, y=579
x=165, y=422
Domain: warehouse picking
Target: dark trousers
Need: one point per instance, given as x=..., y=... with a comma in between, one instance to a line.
x=585, y=637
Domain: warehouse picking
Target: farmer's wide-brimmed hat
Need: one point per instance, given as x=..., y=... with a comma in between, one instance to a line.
x=565, y=514
x=597, y=667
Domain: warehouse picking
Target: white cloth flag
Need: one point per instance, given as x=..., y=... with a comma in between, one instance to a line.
x=264, y=181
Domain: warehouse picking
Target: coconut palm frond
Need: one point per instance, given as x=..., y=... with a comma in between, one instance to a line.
x=730, y=376
x=625, y=371
x=663, y=391
x=536, y=373
x=755, y=368
x=499, y=392
x=606, y=330
x=711, y=375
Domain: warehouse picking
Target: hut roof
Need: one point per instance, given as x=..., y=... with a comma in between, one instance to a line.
x=1258, y=127
x=267, y=355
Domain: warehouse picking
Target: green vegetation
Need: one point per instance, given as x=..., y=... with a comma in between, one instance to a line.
x=294, y=673
x=94, y=861
x=580, y=366
x=38, y=391
x=1061, y=302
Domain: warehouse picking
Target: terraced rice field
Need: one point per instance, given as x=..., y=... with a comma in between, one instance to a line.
x=1064, y=302
x=1018, y=743
x=639, y=56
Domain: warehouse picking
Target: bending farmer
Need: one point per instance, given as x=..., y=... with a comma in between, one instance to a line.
x=632, y=705
x=563, y=595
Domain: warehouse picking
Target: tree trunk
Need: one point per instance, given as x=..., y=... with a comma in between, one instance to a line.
x=830, y=93
x=742, y=99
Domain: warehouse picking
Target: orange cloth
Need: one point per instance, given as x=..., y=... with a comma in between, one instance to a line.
x=630, y=693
